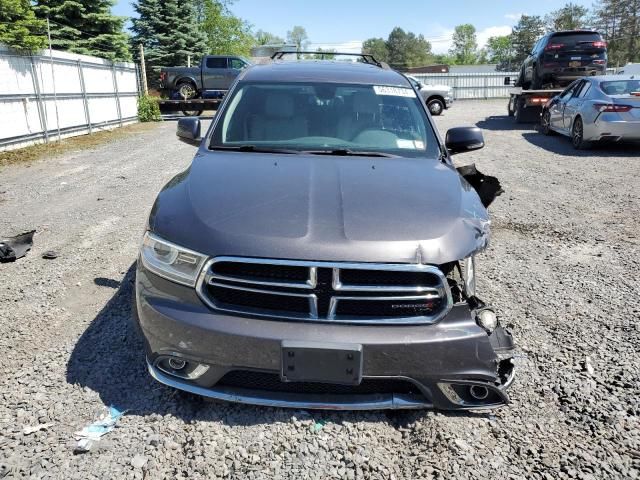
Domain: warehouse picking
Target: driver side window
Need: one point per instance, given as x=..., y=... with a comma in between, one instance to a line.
x=566, y=95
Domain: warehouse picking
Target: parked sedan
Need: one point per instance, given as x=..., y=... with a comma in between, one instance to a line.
x=603, y=108
x=437, y=97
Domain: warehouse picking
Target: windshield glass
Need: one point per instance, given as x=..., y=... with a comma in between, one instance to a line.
x=620, y=87
x=326, y=117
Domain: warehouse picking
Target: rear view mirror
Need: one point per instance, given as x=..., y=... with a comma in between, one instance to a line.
x=464, y=139
x=189, y=130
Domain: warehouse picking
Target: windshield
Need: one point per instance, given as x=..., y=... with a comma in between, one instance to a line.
x=325, y=117
x=621, y=87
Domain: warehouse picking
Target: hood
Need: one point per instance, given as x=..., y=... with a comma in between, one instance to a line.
x=322, y=208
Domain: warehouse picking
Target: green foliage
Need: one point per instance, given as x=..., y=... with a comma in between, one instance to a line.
x=322, y=54
x=465, y=45
x=376, y=47
x=169, y=32
x=500, y=50
x=524, y=36
x=569, y=17
x=619, y=23
x=265, y=38
x=226, y=34
x=86, y=27
x=148, y=109
x=298, y=36
x=19, y=27
x=401, y=49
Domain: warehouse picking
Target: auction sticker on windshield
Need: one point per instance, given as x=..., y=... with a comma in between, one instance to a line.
x=393, y=91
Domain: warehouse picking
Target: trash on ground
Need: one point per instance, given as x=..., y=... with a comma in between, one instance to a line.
x=91, y=434
x=588, y=366
x=29, y=429
x=13, y=248
x=50, y=255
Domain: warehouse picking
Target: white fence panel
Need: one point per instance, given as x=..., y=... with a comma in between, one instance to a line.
x=471, y=85
x=90, y=93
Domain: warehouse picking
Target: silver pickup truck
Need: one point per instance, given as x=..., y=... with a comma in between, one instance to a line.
x=211, y=79
x=437, y=97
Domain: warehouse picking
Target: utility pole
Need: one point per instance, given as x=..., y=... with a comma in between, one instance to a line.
x=189, y=61
x=143, y=70
x=53, y=78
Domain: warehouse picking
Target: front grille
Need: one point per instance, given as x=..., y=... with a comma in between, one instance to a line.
x=270, y=382
x=322, y=291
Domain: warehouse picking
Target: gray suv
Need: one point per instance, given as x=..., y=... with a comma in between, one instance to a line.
x=319, y=251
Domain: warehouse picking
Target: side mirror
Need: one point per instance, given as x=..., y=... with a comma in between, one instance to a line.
x=507, y=80
x=189, y=131
x=464, y=139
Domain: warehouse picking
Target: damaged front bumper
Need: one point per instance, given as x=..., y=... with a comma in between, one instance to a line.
x=453, y=364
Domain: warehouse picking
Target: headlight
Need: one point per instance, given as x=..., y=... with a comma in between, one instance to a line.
x=470, y=276
x=170, y=261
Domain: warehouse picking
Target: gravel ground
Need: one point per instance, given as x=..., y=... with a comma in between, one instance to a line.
x=561, y=270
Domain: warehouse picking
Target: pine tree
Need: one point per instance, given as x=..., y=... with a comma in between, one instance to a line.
x=86, y=27
x=169, y=32
x=19, y=27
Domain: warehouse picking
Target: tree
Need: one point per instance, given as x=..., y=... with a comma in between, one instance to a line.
x=86, y=27
x=569, y=17
x=19, y=27
x=376, y=47
x=298, y=37
x=500, y=50
x=169, y=32
x=465, y=45
x=524, y=36
x=265, y=38
x=619, y=23
x=406, y=49
x=226, y=34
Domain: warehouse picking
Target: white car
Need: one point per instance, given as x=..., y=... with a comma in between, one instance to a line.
x=629, y=69
x=437, y=97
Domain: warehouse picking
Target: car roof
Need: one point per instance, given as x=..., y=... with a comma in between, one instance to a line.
x=324, y=71
x=611, y=78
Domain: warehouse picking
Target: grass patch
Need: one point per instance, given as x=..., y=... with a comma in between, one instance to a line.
x=81, y=142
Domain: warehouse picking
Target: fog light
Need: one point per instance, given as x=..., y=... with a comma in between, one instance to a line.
x=177, y=363
x=487, y=319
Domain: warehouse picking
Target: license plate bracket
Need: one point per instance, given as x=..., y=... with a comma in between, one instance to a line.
x=322, y=362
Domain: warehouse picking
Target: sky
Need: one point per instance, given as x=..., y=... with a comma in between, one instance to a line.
x=344, y=24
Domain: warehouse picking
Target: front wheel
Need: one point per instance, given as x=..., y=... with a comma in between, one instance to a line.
x=545, y=123
x=577, y=135
x=187, y=90
x=435, y=106
x=192, y=113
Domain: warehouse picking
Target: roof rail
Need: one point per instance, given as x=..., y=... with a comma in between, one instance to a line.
x=366, y=57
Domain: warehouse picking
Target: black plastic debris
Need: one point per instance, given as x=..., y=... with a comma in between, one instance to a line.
x=13, y=248
x=488, y=187
x=50, y=255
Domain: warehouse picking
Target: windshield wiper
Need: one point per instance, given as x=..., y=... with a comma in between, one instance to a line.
x=253, y=148
x=349, y=153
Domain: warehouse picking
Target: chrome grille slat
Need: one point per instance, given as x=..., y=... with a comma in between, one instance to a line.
x=324, y=295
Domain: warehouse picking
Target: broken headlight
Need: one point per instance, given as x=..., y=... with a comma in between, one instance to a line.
x=170, y=261
x=469, y=275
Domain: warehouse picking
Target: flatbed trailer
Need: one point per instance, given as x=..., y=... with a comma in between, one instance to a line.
x=191, y=107
x=526, y=105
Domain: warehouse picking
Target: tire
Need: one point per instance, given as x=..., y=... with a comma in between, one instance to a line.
x=577, y=135
x=536, y=80
x=435, y=106
x=510, y=106
x=545, y=123
x=519, y=111
x=187, y=90
x=192, y=113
